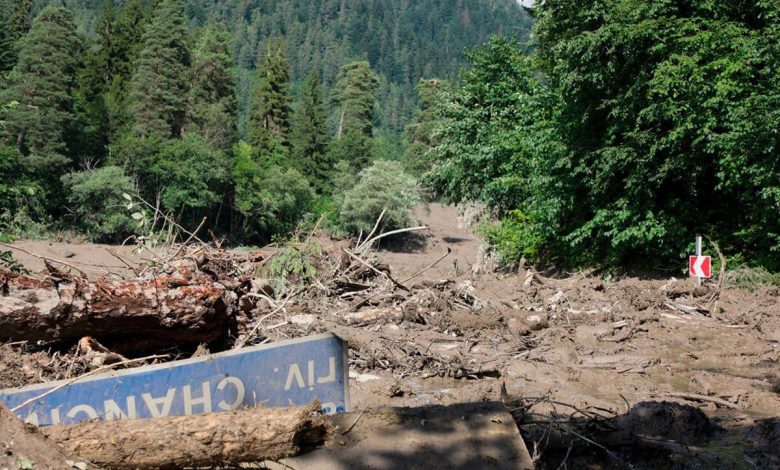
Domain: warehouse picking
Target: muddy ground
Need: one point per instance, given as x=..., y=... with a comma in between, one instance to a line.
x=599, y=373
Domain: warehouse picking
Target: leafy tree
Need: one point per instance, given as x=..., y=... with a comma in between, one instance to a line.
x=42, y=83
x=97, y=203
x=212, y=95
x=383, y=185
x=491, y=129
x=310, y=136
x=269, y=119
x=669, y=112
x=272, y=199
x=190, y=174
x=159, y=85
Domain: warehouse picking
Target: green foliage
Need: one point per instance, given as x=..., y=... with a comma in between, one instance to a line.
x=310, y=136
x=212, y=95
x=652, y=122
x=514, y=237
x=487, y=135
x=160, y=82
x=353, y=95
x=383, y=185
x=353, y=99
x=97, y=203
x=417, y=159
x=269, y=119
x=8, y=262
x=190, y=174
x=751, y=279
x=272, y=199
x=42, y=82
x=669, y=113
x=292, y=263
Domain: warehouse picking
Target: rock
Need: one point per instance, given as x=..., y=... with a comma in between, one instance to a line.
x=303, y=320
x=517, y=327
x=536, y=322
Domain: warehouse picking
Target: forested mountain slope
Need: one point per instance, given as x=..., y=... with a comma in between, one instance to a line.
x=403, y=40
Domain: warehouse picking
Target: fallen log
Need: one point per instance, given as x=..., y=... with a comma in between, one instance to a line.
x=172, y=309
x=247, y=435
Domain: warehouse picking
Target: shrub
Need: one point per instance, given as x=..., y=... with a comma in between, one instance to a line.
x=383, y=185
x=514, y=237
x=272, y=199
x=99, y=208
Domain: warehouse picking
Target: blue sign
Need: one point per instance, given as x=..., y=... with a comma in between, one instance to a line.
x=286, y=373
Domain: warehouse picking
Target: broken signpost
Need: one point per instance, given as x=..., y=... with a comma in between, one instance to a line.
x=286, y=373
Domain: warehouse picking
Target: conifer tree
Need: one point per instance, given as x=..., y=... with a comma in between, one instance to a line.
x=15, y=20
x=269, y=119
x=125, y=45
x=212, y=97
x=42, y=83
x=159, y=85
x=353, y=95
x=310, y=136
x=420, y=134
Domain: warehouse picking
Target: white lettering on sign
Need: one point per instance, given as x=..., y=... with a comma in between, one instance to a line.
x=113, y=411
x=55, y=416
x=230, y=391
x=32, y=418
x=86, y=409
x=331, y=377
x=295, y=374
x=166, y=402
x=240, y=393
x=204, y=400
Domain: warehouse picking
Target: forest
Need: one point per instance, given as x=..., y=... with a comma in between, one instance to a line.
x=603, y=133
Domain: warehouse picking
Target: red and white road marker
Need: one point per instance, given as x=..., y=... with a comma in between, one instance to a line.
x=700, y=266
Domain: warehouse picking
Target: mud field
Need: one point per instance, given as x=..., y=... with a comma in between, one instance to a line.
x=598, y=373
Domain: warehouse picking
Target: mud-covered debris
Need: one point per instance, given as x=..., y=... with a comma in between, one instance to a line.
x=668, y=420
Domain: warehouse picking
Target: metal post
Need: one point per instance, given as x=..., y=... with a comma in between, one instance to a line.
x=698, y=253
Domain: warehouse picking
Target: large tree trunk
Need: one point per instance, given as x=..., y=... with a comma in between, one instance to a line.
x=172, y=309
x=248, y=435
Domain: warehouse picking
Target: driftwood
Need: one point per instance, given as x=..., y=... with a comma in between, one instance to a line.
x=247, y=435
x=170, y=309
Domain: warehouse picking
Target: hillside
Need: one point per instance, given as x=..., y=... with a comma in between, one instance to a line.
x=402, y=40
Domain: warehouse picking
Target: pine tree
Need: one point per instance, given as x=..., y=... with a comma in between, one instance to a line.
x=310, y=136
x=353, y=95
x=212, y=97
x=14, y=23
x=21, y=19
x=125, y=45
x=269, y=119
x=159, y=85
x=42, y=83
x=416, y=159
